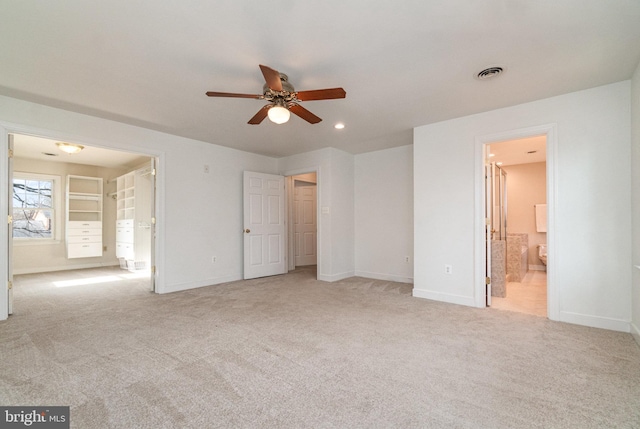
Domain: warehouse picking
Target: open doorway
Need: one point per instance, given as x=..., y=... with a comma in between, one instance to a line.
x=51, y=191
x=517, y=237
x=303, y=224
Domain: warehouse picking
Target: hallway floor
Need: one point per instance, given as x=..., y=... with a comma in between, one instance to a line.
x=528, y=296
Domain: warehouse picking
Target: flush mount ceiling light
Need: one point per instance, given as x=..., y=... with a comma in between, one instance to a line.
x=490, y=72
x=339, y=126
x=69, y=147
x=279, y=114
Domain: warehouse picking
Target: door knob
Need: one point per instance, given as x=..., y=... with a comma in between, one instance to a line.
x=247, y=230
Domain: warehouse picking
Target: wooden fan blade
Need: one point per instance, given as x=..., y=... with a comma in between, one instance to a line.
x=259, y=117
x=321, y=94
x=304, y=113
x=233, y=95
x=272, y=77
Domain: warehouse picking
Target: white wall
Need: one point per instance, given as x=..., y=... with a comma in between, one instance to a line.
x=199, y=215
x=635, y=180
x=591, y=210
x=335, y=170
x=526, y=186
x=384, y=214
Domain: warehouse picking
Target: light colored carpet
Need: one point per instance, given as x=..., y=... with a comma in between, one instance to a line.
x=291, y=352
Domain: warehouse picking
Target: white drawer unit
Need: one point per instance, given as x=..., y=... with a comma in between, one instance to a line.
x=72, y=232
x=77, y=224
x=125, y=238
x=124, y=223
x=72, y=239
x=84, y=239
x=84, y=250
x=125, y=250
x=124, y=235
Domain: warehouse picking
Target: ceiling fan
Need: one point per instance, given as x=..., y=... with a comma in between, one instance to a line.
x=283, y=98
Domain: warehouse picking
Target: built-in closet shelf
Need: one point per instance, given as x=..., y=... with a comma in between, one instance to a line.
x=83, y=217
x=133, y=211
x=77, y=196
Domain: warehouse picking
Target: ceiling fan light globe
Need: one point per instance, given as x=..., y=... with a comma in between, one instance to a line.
x=279, y=114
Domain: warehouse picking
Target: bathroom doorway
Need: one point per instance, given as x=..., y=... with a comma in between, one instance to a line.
x=518, y=230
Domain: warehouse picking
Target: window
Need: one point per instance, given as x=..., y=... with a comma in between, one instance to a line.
x=34, y=206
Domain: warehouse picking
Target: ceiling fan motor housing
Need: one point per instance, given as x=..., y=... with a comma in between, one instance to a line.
x=287, y=94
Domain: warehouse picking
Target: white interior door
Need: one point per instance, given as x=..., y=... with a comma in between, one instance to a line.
x=264, y=225
x=305, y=224
x=10, y=229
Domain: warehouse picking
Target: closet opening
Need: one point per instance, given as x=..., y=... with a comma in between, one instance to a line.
x=67, y=233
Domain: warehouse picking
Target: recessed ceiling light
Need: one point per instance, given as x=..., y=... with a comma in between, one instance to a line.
x=492, y=154
x=339, y=126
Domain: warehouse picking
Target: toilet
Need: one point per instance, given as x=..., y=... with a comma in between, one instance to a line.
x=542, y=253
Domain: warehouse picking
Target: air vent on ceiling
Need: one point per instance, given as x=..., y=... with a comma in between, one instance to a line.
x=490, y=72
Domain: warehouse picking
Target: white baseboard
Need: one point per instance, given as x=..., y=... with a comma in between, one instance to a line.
x=595, y=321
x=201, y=283
x=444, y=297
x=387, y=277
x=17, y=272
x=335, y=277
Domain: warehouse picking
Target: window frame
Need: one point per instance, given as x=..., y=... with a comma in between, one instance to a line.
x=57, y=211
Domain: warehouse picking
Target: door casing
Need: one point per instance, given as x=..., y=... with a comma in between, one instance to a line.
x=289, y=183
x=296, y=206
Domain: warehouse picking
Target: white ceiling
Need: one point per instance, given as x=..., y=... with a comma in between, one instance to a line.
x=402, y=63
x=521, y=151
x=46, y=150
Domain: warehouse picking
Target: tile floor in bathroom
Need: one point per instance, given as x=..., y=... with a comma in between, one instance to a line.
x=528, y=296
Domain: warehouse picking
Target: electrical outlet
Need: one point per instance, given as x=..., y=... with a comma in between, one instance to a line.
x=406, y=259
x=448, y=269
x=214, y=259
